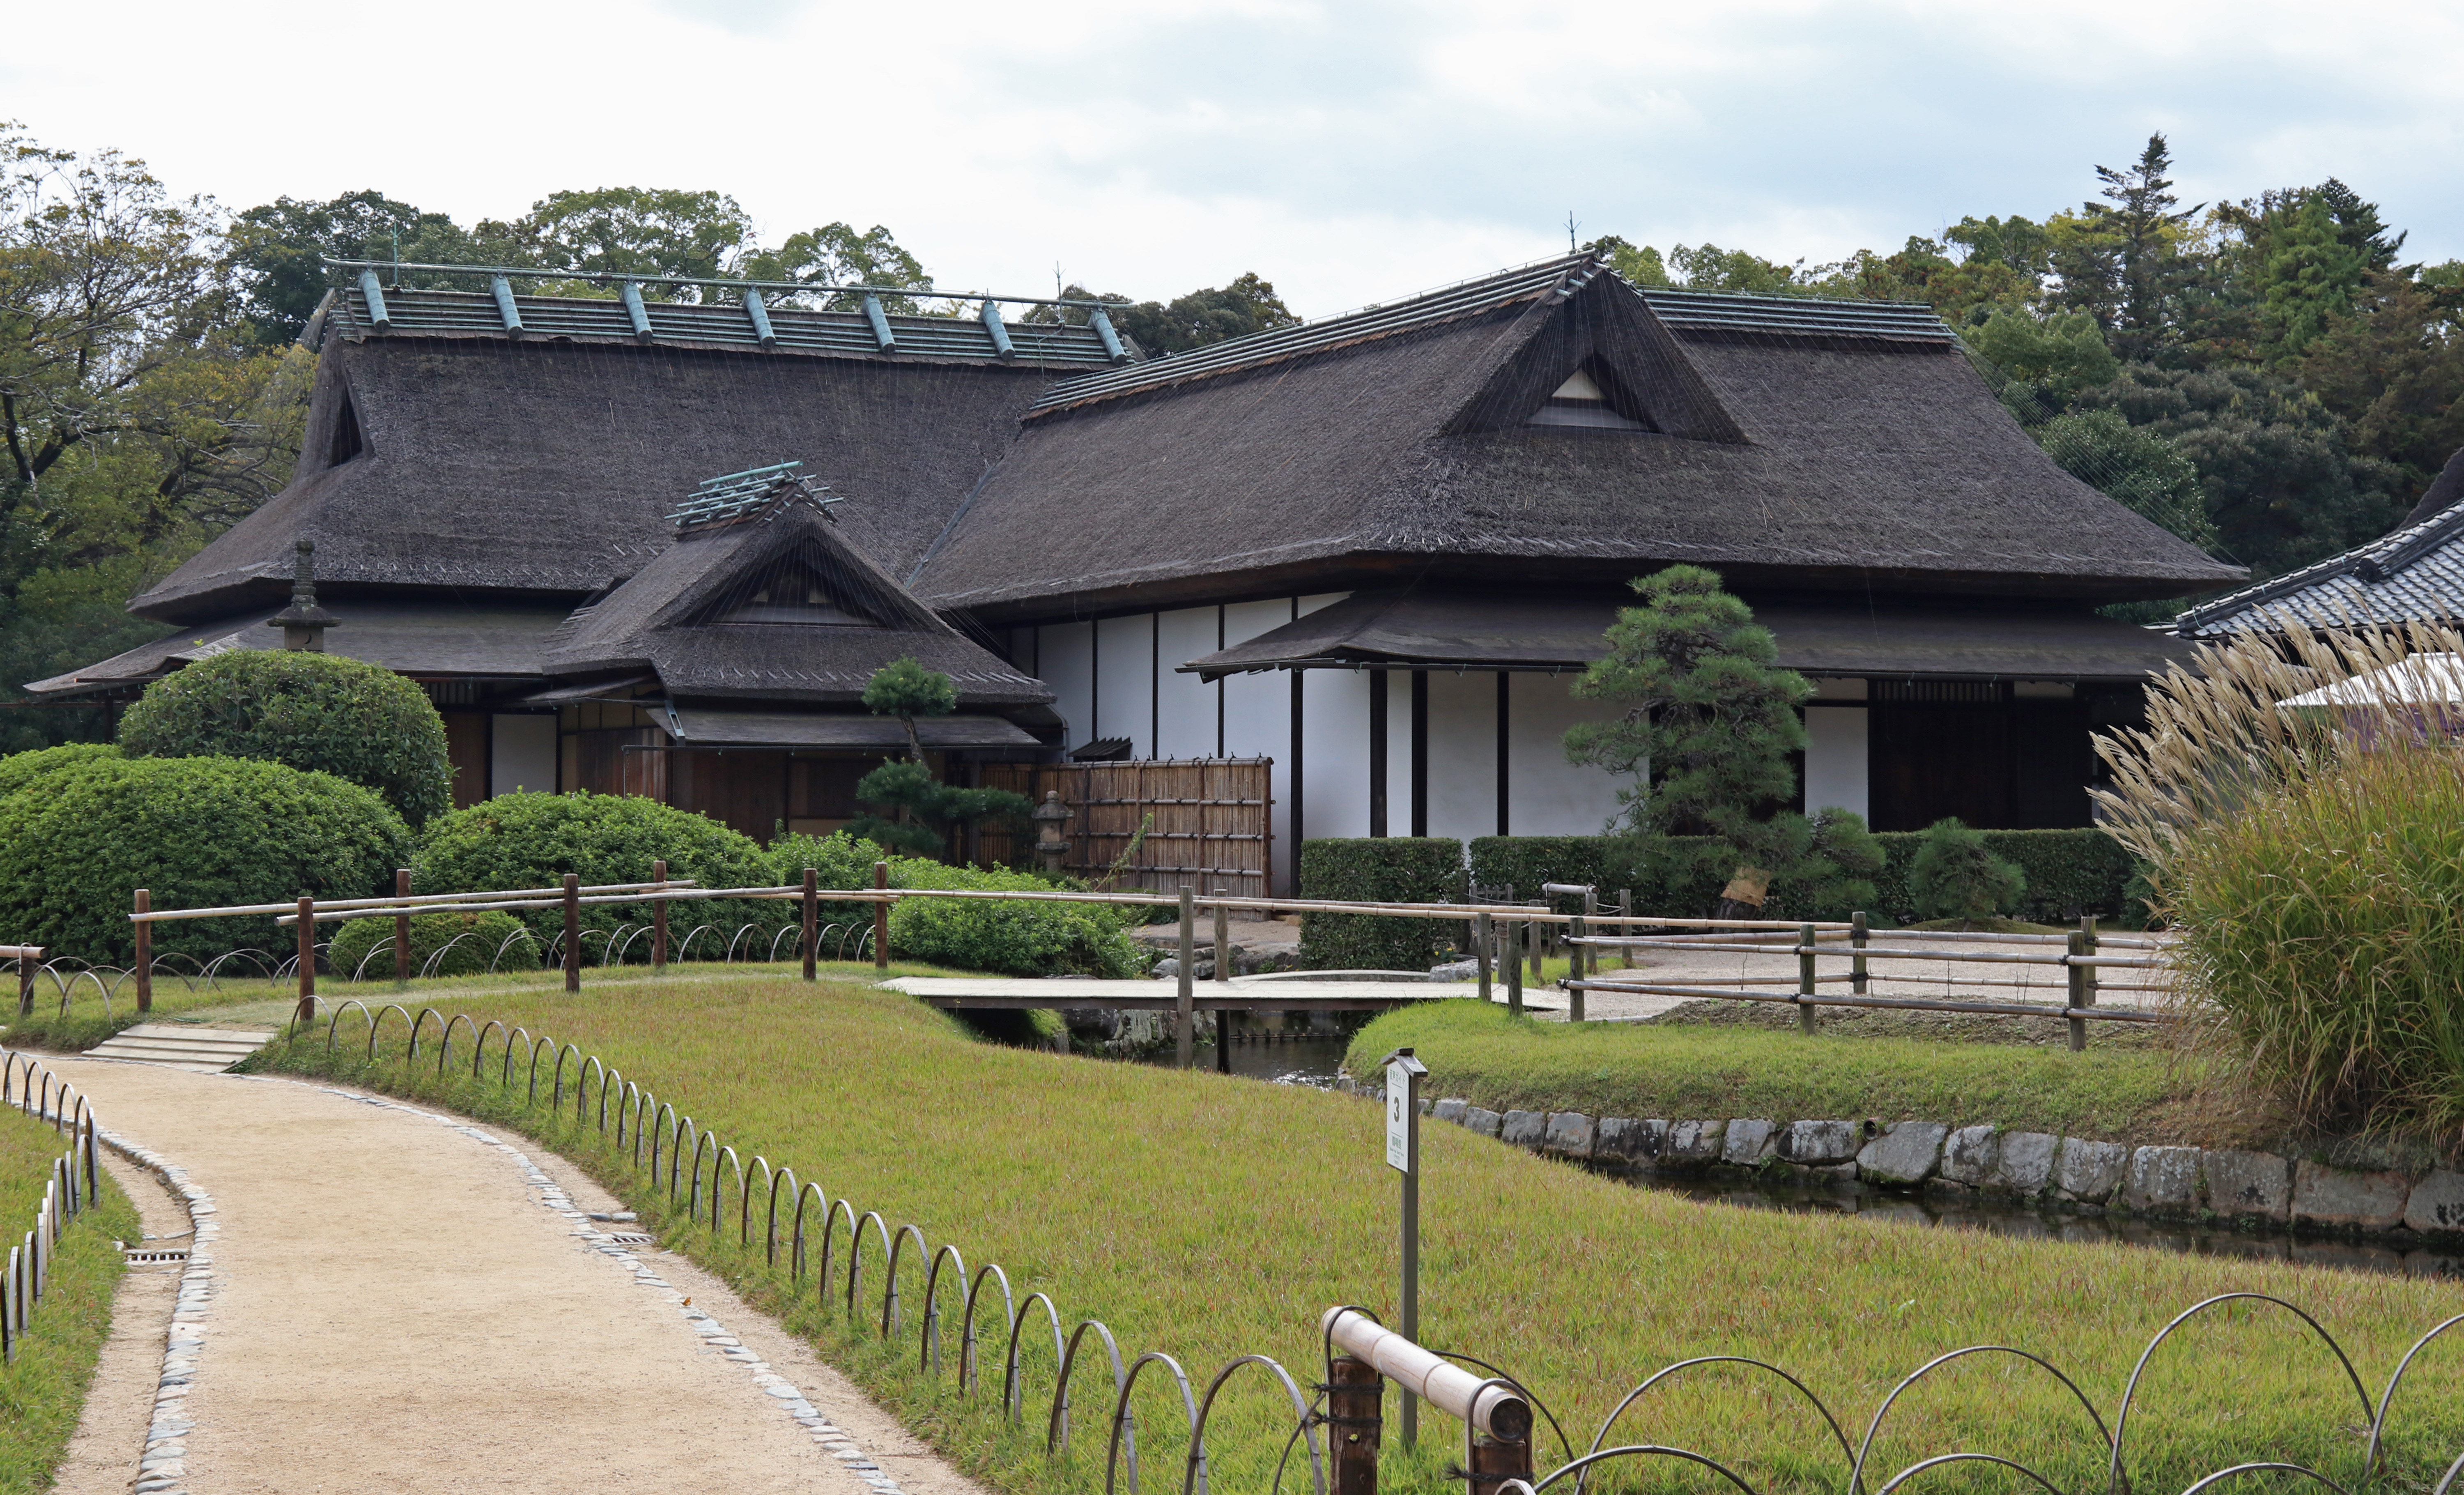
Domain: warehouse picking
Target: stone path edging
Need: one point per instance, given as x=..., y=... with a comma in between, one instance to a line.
x=162, y=1468
x=2079, y=1174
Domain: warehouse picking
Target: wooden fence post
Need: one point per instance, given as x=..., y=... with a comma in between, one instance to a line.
x=1509, y=954
x=1857, y=933
x=1625, y=927
x=1479, y=950
x=572, y=931
x=813, y=921
x=1355, y=1393
x=881, y=918
x=1223, y=961
x=658, y=922
x=1805, y=974
x=27, y=964
x=2082, y=981
x=144, y=962
x=1184, y=1006
x=307, y=959
x=401, y=928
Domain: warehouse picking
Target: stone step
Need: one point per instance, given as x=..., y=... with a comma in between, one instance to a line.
x=198, y=1049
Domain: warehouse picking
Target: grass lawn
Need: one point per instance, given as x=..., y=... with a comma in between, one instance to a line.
x=1210, y=1215
x=1704, y=1072
x=43, y=1392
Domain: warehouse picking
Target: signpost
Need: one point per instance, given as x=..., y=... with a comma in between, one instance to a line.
x=1403, y=1076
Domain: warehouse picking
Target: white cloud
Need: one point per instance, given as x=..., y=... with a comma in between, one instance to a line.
x=1348, y=151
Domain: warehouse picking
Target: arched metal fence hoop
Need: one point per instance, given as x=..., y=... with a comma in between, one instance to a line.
x=855, y=1251
x=631, y=1103
x=685, y=1127
x=609, y=1080
x=1306, y=1428
x=705, y=1141
x=417, y=1025
x=581, y=1083
x=445, y=1042
x=2387, y=1398
x=796, y=1237
x=360, y=971
x=684, y=952
x=505, y=1076
x=783, y=933
x=740, y=932
x=68, y=991
x=770, y=1224
x=2304, y=1470
x=1124, y=1435
x=508, y=943
x=166, y=961
x=928, y=1353
x=2122, y=1417
x=213, y=970
x=831, y=1210
x=479, y=1044
x=718, y=1194
x=2454, y=1472
x=1866, y=1446
x=967, y=1357
x=555, y=1096
x=659, y=1120
x=335, y=1020
x=437, y=959
x=1519, y=1389
x=1837, y=1433
x=889, y=1279
x=548, y=1042
x=1579, y=1466
x=1939, y=1460
x=1013, y=1394
x=638, y=931
x=744, y=1197
x=1056, y=1422
x=376, y=1024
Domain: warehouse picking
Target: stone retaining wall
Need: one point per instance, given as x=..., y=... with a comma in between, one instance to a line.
x=2184, y=1183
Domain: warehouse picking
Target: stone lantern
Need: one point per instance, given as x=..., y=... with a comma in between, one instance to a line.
x=1049, y=842
x=304, y=624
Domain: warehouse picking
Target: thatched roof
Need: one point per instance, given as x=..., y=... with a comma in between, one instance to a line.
x=776, y=605
x=1789, y=441
x=2413, y=574
x=1440, y=629
x=2442, y=490
x=427, y=637
x=546, y=466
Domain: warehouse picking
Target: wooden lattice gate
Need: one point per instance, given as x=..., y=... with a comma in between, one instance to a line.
x=1210, y=821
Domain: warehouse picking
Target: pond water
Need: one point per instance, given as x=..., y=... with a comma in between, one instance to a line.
x=2010, y=1217
x=1313, y=1060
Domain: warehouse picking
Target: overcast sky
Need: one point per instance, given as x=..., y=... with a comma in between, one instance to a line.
x=1349, y=152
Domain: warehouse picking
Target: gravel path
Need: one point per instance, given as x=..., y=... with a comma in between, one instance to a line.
x=401, y=1300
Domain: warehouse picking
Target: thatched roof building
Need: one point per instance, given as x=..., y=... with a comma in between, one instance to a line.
x=1223, y=551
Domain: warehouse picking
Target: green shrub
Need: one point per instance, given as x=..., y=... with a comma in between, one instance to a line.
x=1013, y=938
x=839, y=860
x=20, y=769
x=533, y=840
x=196, y=832
x=485, y=948
x=321, y=712
x=1956, y=876
x=2324, y=921
x=1379, y=869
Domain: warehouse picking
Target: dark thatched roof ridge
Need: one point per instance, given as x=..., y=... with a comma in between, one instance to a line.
x=546, y=468
x=419, y=637
x=669, y=618
x=1818, y=460
x=2413, y=574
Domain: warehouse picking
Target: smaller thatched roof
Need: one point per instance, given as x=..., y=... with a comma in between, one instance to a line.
x=427, y=638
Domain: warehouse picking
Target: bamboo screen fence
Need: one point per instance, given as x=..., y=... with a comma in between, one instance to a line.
x=1210, y=821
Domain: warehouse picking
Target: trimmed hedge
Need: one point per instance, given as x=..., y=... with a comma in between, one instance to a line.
x=196, y=832
x=532, y=840
x=1388, y=869
x=486, y=948
x=312, y=710
x=1013, y=938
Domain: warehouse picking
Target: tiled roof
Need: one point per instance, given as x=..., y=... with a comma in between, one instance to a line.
x=1692, y=311
x=2413, y=575
x=465, y=314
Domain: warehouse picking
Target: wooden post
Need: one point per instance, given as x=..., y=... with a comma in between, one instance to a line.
x=401, y=928
x=307, y=959
x=813, y=921
x=658, y=922
x=1184, y=1009
x=1575, y=973
x=1625, y=926
x=1493, y=1462
x=1509, y=954
x=144, y=962
x=2082, y=982
x=1536, y=935
x=1479, y=951
x=1354, y=1416
x=26, y=964
x=572, y=931
x=1805, y=972
x=881, y=918
x=1857, y=942
x=1222, y=951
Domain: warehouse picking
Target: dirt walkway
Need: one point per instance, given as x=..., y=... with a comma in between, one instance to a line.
x=400, y=1301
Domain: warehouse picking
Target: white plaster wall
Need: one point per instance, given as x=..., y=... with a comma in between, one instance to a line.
x=1462, y=754
x=1125, y=681
x=1398, y=752
x=1063, y=662
x=1188, y=706
x=1549, y=796
x=1334, y=732
x=1257, y=719
x=521, y=755
x=1834, y=758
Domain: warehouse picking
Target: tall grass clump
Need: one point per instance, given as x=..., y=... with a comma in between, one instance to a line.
x=2300, y=799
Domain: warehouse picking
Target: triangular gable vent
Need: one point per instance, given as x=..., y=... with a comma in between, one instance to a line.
x=1586, y=399
x=348, y=442
x=800, y=587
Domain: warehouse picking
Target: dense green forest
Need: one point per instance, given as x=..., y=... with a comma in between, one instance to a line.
x=2265, y=377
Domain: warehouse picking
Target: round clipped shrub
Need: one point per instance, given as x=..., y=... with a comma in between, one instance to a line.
x=20, y=769
x=321, y=712
x=1012, y=939
x=474, y=944
x=533, y=840
x=195, y=833
x=1956, y=876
